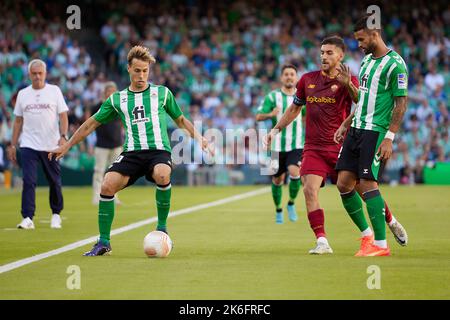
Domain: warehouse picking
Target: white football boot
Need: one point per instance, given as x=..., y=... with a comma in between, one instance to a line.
x=26, y=223
x=56, y=222
x=399, y=233
x=322, y=247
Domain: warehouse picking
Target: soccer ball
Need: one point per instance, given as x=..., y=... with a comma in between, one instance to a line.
x=157, y=244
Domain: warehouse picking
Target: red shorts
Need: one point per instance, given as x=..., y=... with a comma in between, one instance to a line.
x=321, y=163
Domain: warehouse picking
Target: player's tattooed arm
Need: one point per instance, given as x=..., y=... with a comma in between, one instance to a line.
x=385, y=148
x=398, y=113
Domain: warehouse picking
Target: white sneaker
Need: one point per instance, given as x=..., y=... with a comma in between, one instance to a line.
x=26, y=223
x=399, y=233
x=321, y=248
x=56, y=222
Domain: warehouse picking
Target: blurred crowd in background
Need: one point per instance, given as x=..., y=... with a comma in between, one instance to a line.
x=221, y=58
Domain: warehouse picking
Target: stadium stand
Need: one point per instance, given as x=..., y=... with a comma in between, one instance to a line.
x=221, y=58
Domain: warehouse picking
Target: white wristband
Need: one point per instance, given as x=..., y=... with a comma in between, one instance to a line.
x=390, y=135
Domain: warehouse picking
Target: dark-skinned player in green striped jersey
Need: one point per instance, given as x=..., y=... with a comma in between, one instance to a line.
x=382, y=102
x=288, y=144
x=327, y=94
x=142, y=109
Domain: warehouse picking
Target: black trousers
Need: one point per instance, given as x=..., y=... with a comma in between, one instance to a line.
x=30, y=159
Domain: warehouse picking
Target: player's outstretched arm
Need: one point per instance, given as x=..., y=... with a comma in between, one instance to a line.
x=385, y=148
x=289, y=115
x=183, y=123
x=265, y=116
x=83, y=131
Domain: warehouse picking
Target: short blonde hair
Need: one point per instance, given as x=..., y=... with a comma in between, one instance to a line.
x=140, y=53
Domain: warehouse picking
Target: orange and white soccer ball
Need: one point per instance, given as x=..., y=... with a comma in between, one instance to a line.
x=157, y=244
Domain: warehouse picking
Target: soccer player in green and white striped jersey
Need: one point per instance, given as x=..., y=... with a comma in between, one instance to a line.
x=288, y=143
x=382, y=102
x=142, y=109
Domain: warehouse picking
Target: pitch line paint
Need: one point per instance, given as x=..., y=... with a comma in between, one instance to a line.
x=20, y=263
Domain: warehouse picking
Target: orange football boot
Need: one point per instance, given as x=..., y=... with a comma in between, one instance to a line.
x=374, y=251
x=365, y=242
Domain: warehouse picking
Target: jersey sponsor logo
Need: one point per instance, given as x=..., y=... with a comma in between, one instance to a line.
x=364, y=80
x=314, y=99
x=139, y=115
x=402, y=81
x=311, y=86
x=376, y=161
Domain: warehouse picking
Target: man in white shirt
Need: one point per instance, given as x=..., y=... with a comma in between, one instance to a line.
x=434, y=79
x=39, y=107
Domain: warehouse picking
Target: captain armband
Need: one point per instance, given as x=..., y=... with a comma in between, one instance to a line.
x=299, y=102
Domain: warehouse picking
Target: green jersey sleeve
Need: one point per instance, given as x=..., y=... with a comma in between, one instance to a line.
x=267, y=105
x=171, y=106
x=399, y=81
x=107, y=111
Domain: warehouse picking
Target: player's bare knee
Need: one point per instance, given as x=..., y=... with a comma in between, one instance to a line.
x=161, y=179
x=107, y=188
x=277, y=180
x=294, y=172
x=161, y=174
x=344, y=186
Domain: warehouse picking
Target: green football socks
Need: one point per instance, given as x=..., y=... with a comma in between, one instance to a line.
x=277, y=192
x=105, y=217
x=163, y=193
x=353, y=204
x=376, y=208
x=294, y=187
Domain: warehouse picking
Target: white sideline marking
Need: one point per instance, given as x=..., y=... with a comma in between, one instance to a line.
x=20, y=263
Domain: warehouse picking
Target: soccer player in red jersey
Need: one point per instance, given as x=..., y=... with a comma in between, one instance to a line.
x=328, y=95
x=328, y=98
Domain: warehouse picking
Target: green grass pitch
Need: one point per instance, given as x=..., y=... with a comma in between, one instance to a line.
x=230, y=251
